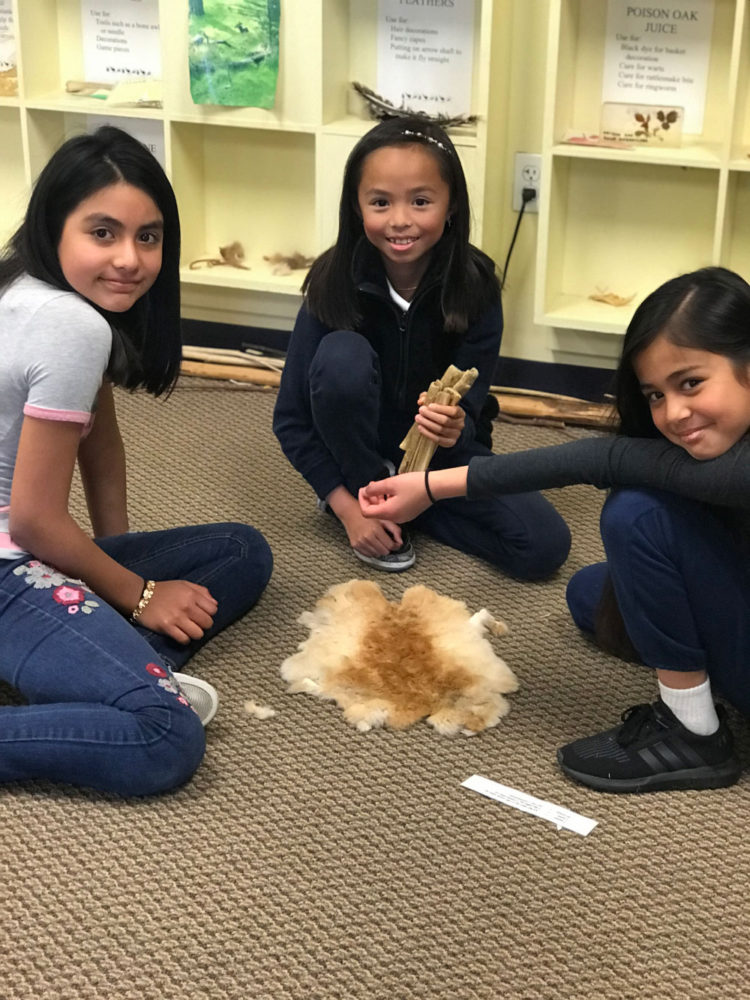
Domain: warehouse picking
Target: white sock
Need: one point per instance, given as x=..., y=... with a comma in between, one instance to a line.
x=694, y=707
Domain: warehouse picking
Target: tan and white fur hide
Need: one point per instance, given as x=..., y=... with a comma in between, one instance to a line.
x=390, y=664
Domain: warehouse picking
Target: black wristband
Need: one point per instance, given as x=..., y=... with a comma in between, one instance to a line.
x=427, y=489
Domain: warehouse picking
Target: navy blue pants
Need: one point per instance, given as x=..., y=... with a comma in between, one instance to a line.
x=682, y=584
x=521, y=534
x=103, y=709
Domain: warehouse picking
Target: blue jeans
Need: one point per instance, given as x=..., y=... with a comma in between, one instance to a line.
x=523, y=534
x=102, y=709
x=682, y=585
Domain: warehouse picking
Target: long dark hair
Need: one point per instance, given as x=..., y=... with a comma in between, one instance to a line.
x=146, y=340
x=469, y=281
x=707, y=309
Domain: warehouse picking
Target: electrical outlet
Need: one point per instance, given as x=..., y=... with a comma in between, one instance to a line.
x=527, y=173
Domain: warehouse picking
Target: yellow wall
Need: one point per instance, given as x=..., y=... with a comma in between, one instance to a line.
x=516, y=114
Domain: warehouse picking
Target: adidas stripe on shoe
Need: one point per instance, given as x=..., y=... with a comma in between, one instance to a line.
x=652, y=751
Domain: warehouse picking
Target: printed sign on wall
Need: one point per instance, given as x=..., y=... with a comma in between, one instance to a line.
x=425, y=56
x=8, y=72
x=120, y=40
x=658, y=55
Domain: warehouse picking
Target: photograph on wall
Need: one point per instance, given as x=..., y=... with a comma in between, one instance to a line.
x=8, y=71
x=234, y=52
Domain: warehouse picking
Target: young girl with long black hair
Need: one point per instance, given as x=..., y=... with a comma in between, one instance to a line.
x=400, y=296
x=676, y=532
x=91, y=629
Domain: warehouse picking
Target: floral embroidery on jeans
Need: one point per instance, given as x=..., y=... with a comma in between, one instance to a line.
x=167, y=681
x=74, y=598
x=70, y=593
x=41, y=577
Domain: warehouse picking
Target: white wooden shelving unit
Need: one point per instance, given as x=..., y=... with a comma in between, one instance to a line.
x=270, y=179
x=626, y=220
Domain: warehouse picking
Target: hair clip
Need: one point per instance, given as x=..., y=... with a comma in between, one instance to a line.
x=427, y=138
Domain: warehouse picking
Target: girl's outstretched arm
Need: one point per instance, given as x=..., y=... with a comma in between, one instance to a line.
x=604, y=462
x=41, y=523
x=101, y=459
x=614, y=461
x=402, y=498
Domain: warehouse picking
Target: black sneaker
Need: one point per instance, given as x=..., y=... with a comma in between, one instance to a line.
x=652, y=752
x=394, y=562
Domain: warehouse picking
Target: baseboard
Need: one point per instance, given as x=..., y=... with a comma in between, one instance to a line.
x=580, y=381
x=517, y=373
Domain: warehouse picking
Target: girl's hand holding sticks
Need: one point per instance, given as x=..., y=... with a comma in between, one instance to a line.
x=440, y=422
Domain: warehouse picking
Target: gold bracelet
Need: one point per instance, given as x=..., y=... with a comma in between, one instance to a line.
x=148, y=593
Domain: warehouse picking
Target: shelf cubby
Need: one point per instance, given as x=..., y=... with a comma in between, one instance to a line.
x=607, y=228
x=270, y=179
x=625, y=220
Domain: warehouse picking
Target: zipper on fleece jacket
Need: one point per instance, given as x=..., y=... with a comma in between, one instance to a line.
x=404, y=332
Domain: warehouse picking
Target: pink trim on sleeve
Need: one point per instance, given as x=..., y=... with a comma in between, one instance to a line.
x=43, y=413
x=8, y=548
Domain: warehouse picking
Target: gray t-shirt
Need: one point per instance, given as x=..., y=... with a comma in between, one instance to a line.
x=55, y=348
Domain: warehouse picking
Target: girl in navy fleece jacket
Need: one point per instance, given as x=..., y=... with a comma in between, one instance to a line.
x=400, y=296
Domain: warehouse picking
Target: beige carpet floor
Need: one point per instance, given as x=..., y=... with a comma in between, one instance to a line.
x=307, y=861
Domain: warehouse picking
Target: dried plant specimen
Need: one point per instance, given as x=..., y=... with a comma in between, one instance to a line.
x=232, y=255
x=610, y=299
x=286, y=263
x=665, y=120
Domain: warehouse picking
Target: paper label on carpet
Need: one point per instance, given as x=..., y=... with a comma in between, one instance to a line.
x=562, y=818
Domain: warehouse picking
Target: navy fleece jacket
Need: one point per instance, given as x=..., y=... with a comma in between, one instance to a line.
x=413, y=349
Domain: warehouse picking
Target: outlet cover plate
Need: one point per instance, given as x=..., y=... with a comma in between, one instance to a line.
x=527, y=172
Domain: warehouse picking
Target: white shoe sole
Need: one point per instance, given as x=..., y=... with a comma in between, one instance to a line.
x=379, y=562
x=202, y=696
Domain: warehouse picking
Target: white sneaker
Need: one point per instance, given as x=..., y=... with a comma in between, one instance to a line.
x=202, y=696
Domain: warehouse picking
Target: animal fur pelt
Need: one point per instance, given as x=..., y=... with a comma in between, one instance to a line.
x=389, y=664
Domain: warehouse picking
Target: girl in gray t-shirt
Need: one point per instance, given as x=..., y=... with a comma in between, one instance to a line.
x=92, y=629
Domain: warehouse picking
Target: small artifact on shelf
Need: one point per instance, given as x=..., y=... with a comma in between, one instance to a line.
x=286, y=263
x=642, y=124
x=574, y=138
x=8, y=82
x=232, y=255
x=87, y=88
x=610, y=298
x=448, y=390
x=382, y=109
x=145, y=93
